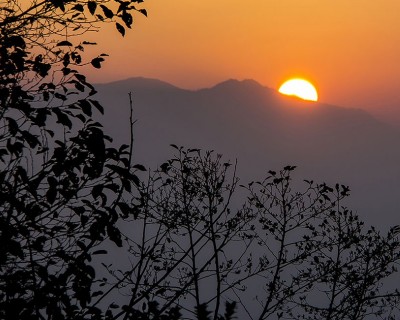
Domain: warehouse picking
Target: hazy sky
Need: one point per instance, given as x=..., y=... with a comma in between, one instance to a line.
x=349, y=49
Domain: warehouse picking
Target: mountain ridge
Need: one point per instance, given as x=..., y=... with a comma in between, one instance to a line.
x=146, y=83
x=264, y=130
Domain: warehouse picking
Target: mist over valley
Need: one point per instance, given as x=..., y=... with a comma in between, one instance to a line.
x=263, y=130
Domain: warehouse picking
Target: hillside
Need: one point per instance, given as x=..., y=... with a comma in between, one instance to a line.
x=264, y=130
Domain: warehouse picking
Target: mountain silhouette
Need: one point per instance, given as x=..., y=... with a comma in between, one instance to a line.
x=263, y=130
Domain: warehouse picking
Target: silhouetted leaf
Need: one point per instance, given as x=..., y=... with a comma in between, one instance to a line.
x=139, y=167
x=78, y=7
x=202, y=313
x=99, y=252
x=97, y=190
x=107, y=12
x=97, y=293
x=120, y=28
x=59, y=4
x=86, y=107
x=127, y=19
x=115, y=235
x=12, y=126
x=62, y=117
x=97, y=105
x=14, y=248
x=31, y=139
x=64, y=43
x=79, y=86
x=51, y=193
x=92, y=5
x=96, y=62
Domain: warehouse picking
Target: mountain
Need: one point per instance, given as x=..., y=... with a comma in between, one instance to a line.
x=264, y=130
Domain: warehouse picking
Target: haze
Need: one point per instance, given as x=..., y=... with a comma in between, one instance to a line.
x=348, y=49
x=263, y=130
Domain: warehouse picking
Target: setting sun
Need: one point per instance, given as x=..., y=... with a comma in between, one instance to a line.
x=300, y=88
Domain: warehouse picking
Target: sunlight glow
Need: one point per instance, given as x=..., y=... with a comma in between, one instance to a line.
x=300, y=88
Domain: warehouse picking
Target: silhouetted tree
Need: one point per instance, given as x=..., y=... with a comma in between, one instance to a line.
x=321, y=262
x=285, y=254
x=61, y=184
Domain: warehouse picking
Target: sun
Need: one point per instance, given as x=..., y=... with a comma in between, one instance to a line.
x=300, y=88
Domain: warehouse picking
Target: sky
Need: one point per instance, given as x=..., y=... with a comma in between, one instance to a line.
x=349, y=49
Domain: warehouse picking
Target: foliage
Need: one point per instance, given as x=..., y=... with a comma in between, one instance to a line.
x=301, y=253
x=61, y=184
x=82, y=237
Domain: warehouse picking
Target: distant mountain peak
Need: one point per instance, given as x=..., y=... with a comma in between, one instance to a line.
x=234, y=83
x=142, y=83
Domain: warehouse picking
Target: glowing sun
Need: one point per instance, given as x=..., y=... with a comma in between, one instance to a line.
x=300, y=88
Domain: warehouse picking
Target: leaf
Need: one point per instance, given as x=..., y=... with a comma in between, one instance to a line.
x=127, y=19
x=12, y=126
x=3, y=152
x=79, y=210
x=139, y=167
x=92, y=5
x=123, y=172
x=96, y=62
x=230, y=310
x=66, y=71
x=31, y=139
x=51, y=195
x=76, y=57
x=78, y=7
x=62, y=117
x=125, y=209
x=126, y=184
x=17, y=41
x=202, y=313
x=41, y=68
x=97, y=105
x=66, y=60
x=143, y=11
x=90, y=271
x=99, y=252
x=97, y=191
x=86, y=107
x=60, y=96
x=64, y=44
x=46, y=95
x=115, y=235
x=120, y=29
x=84, y=220
x=38, y=243
x=107, y=12
x=165, y=167
x=59, y=4
x=14, y=248
x=81, y=245
x=97, y=293
x=15, y=148
x=79, y=86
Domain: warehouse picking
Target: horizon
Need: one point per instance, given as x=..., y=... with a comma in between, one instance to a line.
x=263, y=130
x=377, y=117
x=347, y=50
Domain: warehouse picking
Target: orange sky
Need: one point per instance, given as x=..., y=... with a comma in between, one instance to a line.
x=349, y=49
